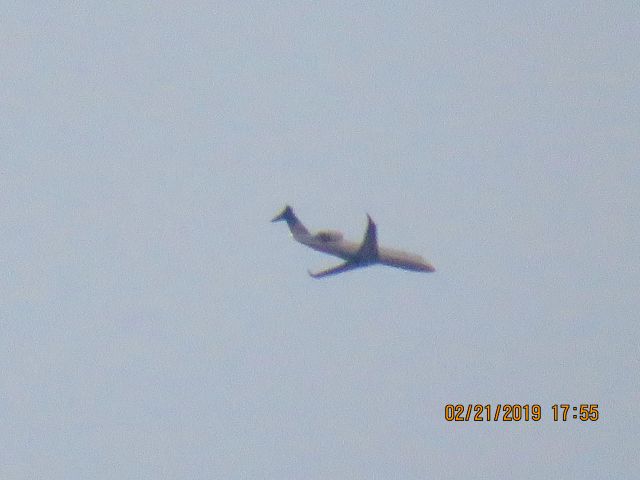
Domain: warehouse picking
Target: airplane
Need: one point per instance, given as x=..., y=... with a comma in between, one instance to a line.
x=355, y=255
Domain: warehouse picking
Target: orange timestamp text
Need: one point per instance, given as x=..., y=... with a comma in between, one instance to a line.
x=515, y=412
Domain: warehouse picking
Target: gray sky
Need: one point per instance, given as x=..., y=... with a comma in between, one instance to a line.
x=156, y=325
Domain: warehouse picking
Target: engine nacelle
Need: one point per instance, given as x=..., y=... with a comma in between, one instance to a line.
x=329, y=236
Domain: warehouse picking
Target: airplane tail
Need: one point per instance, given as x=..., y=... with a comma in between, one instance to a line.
x=296, y=227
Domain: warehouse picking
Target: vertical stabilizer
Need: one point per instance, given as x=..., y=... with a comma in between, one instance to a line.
x=296, y=227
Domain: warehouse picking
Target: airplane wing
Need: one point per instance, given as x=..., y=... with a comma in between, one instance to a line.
x=369, y=249
x=343, y=267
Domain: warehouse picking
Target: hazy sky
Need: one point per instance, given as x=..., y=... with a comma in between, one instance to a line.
x=154, y=324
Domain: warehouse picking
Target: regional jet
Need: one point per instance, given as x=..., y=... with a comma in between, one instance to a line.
x=355, y=255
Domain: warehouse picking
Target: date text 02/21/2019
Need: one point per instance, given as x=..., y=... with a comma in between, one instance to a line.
x=519, y=412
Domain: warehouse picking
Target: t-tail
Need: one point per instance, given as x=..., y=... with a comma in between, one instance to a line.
x=296, y=227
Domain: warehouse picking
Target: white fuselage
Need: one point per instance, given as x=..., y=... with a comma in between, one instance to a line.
x=348, y=251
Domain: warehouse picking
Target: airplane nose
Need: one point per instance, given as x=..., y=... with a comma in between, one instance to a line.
x=429, y=268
